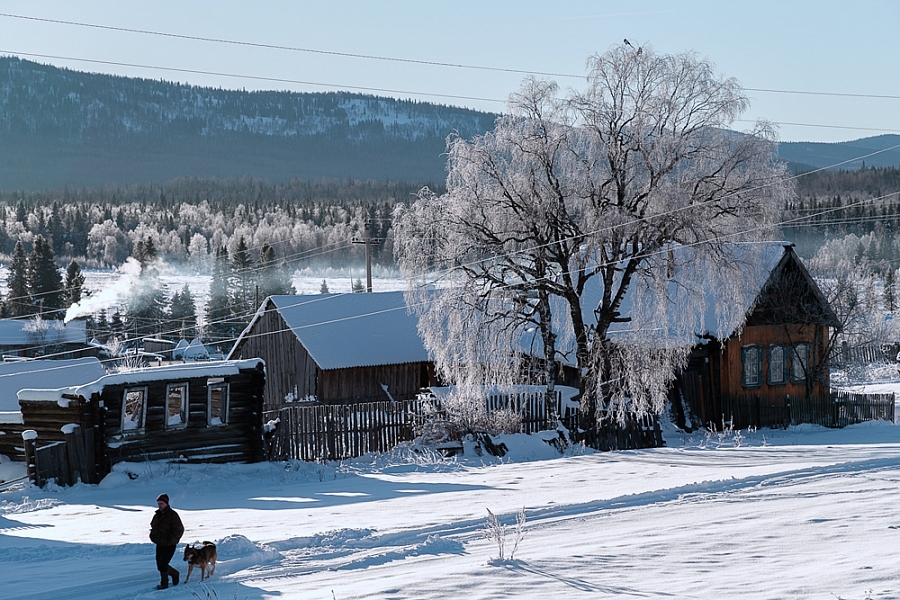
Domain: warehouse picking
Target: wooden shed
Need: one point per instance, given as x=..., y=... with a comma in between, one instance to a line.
x=337, y=349
x=207, y=412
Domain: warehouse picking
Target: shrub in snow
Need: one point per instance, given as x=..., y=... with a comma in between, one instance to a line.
x=495, y=531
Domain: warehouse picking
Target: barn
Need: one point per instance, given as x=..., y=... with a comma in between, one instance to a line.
x=203, y=412
x=337, y=349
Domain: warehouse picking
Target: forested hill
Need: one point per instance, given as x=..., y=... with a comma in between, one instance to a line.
x=62, y=127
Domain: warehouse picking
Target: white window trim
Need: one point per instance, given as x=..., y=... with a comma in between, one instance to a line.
x=185, y=405
x=226, y=401
x=142, y=423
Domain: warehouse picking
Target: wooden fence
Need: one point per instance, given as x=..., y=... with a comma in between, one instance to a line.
x=845, y=355
x=65, y=462
x=837, y=409
x=335, y=432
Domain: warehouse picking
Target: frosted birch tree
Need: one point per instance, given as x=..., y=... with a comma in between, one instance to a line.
x=586, y=190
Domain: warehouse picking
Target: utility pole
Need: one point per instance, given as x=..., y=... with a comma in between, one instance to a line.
x=369, y=242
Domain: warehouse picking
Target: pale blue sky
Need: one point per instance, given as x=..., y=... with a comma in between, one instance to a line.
x=807, y=46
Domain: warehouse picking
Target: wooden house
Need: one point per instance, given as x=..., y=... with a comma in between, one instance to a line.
x=337, y=349
x=759, y=327
x=203, y=412
x=779, y=350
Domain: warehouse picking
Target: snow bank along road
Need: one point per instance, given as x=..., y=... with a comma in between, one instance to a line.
x=811, y=514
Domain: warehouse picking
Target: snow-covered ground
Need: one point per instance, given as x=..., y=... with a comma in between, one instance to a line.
x=800, y=513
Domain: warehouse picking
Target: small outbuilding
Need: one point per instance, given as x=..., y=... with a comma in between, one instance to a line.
x=337, y=349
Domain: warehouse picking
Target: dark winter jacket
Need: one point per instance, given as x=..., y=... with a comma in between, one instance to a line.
x=166, y=528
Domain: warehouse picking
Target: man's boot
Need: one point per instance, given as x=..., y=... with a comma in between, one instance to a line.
x=163, y=580
x=174, y=574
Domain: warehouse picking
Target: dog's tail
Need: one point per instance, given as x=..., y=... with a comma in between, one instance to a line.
x=206, y=543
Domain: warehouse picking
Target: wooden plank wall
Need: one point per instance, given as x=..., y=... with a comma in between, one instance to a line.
x=363, y=384
x=289, y=368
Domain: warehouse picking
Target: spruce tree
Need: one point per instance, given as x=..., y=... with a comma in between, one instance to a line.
x=45, y=285
x=219, y=307
x=244, y=280
x=183, y=314
x=274, y=279
x=19, y=301
x=74, y=283
x=147, y=301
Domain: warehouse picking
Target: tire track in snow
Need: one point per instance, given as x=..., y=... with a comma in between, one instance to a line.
x=370, y=549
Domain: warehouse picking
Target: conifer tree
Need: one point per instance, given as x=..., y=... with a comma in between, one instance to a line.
x=219, y=306
x=19, y=301
x=274, y=279
x=183, y=314
x=147, y=302
x=74, y=283
x=244, y=280
x=45, y=286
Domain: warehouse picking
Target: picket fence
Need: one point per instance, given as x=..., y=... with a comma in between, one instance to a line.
x=837, y=409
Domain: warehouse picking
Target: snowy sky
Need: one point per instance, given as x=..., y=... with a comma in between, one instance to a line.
x=801, y=46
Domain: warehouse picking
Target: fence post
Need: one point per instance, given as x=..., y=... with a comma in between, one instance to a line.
x=72, y=432
x=29, y=438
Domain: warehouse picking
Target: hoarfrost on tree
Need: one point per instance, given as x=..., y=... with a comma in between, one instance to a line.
x=575, y=199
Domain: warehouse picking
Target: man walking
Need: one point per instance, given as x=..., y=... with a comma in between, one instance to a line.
x=165, y=531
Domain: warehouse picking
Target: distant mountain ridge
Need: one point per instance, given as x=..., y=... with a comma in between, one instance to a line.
x=851, y=155
x=60, y=127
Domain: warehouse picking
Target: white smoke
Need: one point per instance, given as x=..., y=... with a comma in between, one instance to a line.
x=109, y=296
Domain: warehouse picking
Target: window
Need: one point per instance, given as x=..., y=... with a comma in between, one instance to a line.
x=777, y=365
x=799, y=362
x=750, y=359
x=218, y=402
x=134, y=407
x=176, y=405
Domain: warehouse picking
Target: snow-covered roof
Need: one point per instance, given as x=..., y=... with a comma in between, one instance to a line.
x=15, y=332
x=697, y=295
x=16, y=376
x=137, y=376
x=351, y=330
x=701, y=299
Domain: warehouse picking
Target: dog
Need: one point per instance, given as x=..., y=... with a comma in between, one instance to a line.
x=202, y=556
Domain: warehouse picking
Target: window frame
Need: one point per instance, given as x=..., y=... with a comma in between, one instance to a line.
x=804, y=360
x=217, y=384
x=745, y=351
x=185, y=405
x=785, y=371
x=142, y=422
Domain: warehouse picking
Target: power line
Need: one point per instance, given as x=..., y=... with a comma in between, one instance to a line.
x=363, y=88
x=252, y=77
x=399, y=59
x=430, y=63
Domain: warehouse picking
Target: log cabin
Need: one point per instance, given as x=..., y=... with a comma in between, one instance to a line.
x=337, y=349
x=203, y=412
